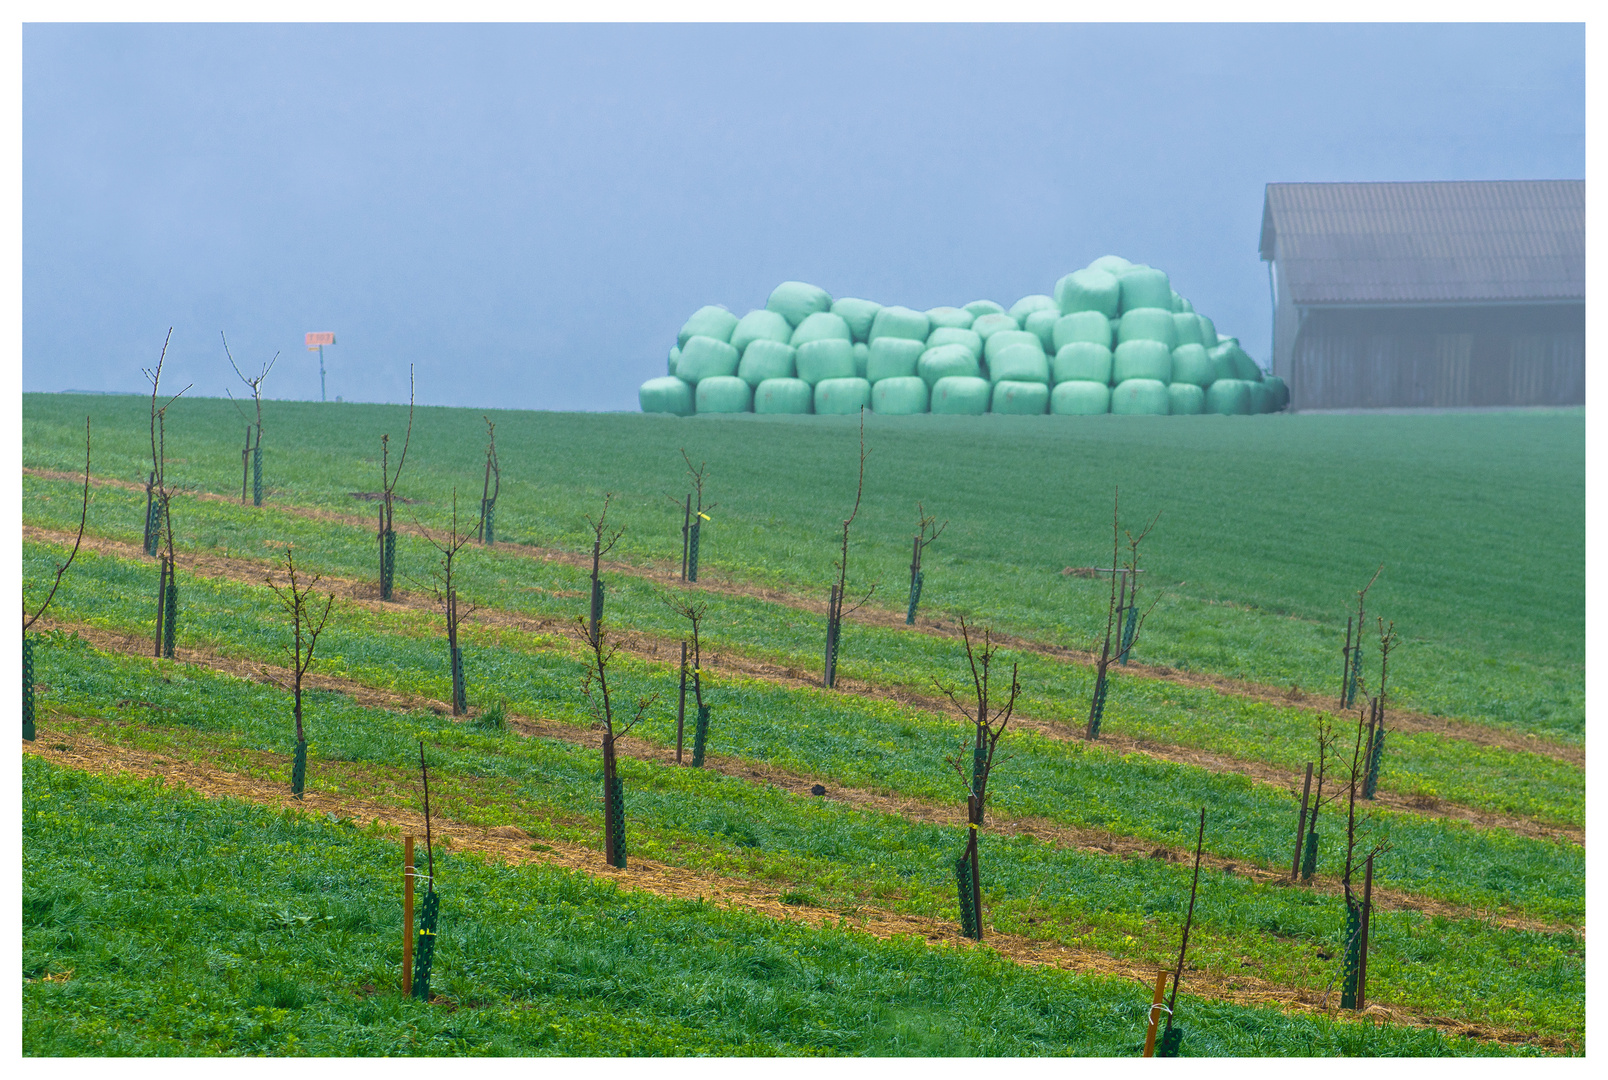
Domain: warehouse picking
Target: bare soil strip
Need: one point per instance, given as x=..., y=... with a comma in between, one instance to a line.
x=716, y=581
x=1070, y=837
x=649, y=647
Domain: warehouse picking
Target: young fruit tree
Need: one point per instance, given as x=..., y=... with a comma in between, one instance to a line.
x=486, y=533
x=926, y=532
x=388, y=479
x=693, y=515
x=693, y=612
x=602, y=543
x=1172, y=1039
x=1309, y=824
x=1123, y=621
x=1375, y=750
x=835, y=610
x=29, y=620
x=1351, y=671
x=251, y=456
x=1358, y=909
x=430, y=911
x=159, y=525
x=307, y=622
x=988, y=723
x=446, y=594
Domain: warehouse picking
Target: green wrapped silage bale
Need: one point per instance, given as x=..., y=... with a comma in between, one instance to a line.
x=675, y=358
x=1082, y=361
x=839, y=397
x=1281, y=392
x=1175, y=303
x=1019, y=362
x=1111, y=264
x=1244, y=367
x=979, y=308
x=862, y=357
x=900, y=322
x=1079, y=398
x=710, y=321
x=1261, y=398
x=723, y=394
x=704, y=357
x=947, y=361
x=1020, y=398
x=1141, y=360
x=1208, y=331
x=1141, y=397
x=666, y=394
x=1042, y=323
x=954, y=318
x=1229, y=397
x=858, y=314
x=892, y=358
x=904, y=396
x=954, y=335
x=1082, y=326
x=796, y=301
x=1186, y=329
x=822, y=326
x=829, y=358
x=1001, y=339
x=1186, y=399
x=1029, y=304
x=1145, y=287
x=987, y=326
x=1146, y=324
x=761, y=325
x=1222, y=358
x=767, y=359
x=1191, y=365
x=784, y=397
x=1092, y=289
x=961, y=395
x=1182, y=305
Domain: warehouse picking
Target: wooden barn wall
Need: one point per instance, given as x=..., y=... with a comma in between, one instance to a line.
x=1360, y=358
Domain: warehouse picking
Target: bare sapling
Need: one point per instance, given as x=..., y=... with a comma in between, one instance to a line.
x=251, y=456
x=1356, y=913
x=1173, y=1037
x=388, y=479
x=988, y=722
x=159, y=515
x=927, y=530
x=1309, y=857
x=603, y=542
x=1351, y=675
x=298, y=599
x=836, y=609
x=446, y=594
x=29, y=620
x=486, y=532
x=1375, y=751
x=693, y=514
x=430, y=912
x=1123, y=620
x=693, y=612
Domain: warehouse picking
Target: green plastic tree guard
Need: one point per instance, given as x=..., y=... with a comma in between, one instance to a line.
x=27, y=686
x=617, y=816
x=298, y=769
x=424, y=950
x=256, y=472
x=700, y=736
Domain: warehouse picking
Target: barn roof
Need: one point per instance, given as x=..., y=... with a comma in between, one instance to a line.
x=1436, y=242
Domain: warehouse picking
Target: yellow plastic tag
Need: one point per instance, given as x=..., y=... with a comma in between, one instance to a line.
x=703, y=515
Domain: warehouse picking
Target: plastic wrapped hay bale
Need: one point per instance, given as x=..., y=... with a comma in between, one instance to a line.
x=1083, y=361
x=857, y=314
x=789, y=397
x=1145, y=287
x=892, y=358
x=954, y=318
x=1208, y=331
x=766, y=359
x=675, y=358
x=1111, y=264
x=954, y=335
x=1019, y=362
x=829, y=358
x=1001, y=339
x=1244, y=367
x=1082, y=326
x=822, y=326
x=1078, y=398
x=987, y=326
x=1261, y=398
x=1192, y=365
x=711, y=321
x=947, y=361
x=1186, y=399
x=862, y=357
x=723, y=394
x=1020, y=398
x=1141, y=397
x=1029, y=304
x=1182, y=304
x=1222, y=358
x=1229, y=397
x=1186, y=329
x=1146, y=324
x=1141, y=360
x=1281, y=392
x=761, y=325
x=839, y=397
x=961, y=395
x=979, y=308
x=704, y=357
x=666, y=394
x=1042, y=323
x=796, y=301
x=903, y=396
x=900, y=322
x=1088, y=290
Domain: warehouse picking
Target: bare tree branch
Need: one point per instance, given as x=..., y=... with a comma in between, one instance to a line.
x=61, y=568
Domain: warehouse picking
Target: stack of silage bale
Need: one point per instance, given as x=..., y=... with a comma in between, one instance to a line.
x=1114, y=338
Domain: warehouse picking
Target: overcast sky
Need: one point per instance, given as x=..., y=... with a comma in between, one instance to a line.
x=529, y=213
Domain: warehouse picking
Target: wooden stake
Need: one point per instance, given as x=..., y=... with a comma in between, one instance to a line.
x=407, y=916
x=1300, y=825
x=1367, y=913
x=1155, y=1013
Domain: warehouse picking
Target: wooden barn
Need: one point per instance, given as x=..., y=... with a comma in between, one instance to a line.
x=1451, y=294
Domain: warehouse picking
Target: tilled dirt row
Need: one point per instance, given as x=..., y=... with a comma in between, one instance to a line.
x=511, y=844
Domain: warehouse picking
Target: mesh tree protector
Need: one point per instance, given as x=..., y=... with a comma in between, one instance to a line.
x=954, y=318
x=766, y=359
x=1145, y=287
x=761, y=325
x=1147, y=324
x=700, y=737
x=900, y=322
x=904, y=396
x=27, y=686
x=1139, y=360
x=841, y=397
x=1088, y=326
x=1022, y=363
x=1021, y=398
x=1140, y=397
x=954, y=335
x=979, y=308
x=711, y=321
x=702, y=357
x=1029, y=304
x=793, y=397
x=858, y=314
x=1083, y=361
x=723, y=394
x=892, y=358
x=1088, y=290
x=1041, y=324
x=666, y=394
x=830, y=358
x=796, y=300
x=424, y=950
x=1186, y=329
x=1077, y=398
x=1229, y=397
x=947, y=361
x=1186, y=399
x=1190, y=364
x=963, y=395
x=822, y=326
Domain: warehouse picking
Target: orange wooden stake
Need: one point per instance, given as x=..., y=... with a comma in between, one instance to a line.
x=407, y=916
x=1155, y=1013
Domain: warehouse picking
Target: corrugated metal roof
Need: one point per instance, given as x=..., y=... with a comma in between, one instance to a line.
x=1437, y=242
